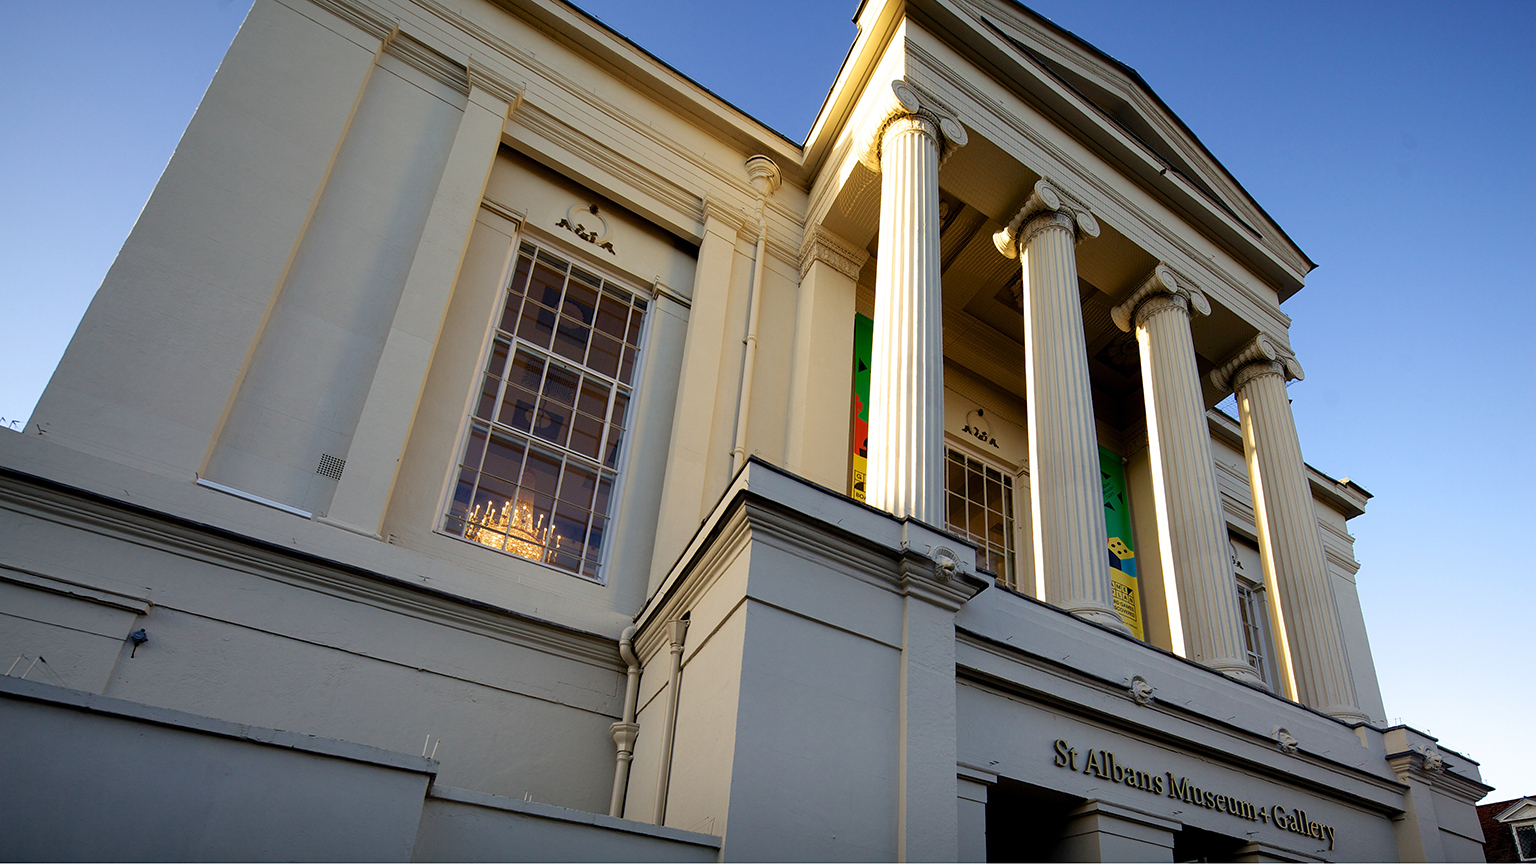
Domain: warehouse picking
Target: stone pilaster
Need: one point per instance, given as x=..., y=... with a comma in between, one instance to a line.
x=1306, y=620
x=389, y=410
x=906, y=414
x=1067, y=499
x=1192, y=532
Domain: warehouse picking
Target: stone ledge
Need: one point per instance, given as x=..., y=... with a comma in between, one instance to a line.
x=563, y=814
x=33, y=691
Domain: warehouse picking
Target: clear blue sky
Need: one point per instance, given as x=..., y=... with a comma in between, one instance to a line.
x=1394, y=141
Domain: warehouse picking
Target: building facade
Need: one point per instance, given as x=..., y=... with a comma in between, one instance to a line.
x=473, y=383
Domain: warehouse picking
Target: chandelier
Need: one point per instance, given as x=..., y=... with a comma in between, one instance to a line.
x=513, y=529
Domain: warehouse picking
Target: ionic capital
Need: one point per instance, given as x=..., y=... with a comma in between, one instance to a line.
x=1162, y=281
x=902, y=103
x=1263, y=352
x=1045, y=207
x=835, y=252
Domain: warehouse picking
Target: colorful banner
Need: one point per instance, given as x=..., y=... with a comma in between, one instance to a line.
x=1122, y=554
x=863, y=350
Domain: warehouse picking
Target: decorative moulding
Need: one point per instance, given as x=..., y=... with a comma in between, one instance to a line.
x=835, y=252
x=495, y=84
x=1433, y=759
x=428, y=61
x=714, y=208
x=517, y=217
x=598, y=153
x=361, y=16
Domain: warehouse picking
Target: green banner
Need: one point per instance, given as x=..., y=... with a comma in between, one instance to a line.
x=1122, y=547
x=863, y=350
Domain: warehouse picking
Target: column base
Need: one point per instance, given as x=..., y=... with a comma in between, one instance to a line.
x=1241, y=672
x=1347, y=713
x=1103, y=617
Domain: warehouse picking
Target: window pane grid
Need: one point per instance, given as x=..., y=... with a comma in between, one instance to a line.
x=537, y=470
x=980, y=508
x=1253, y=635
x=1525, y=838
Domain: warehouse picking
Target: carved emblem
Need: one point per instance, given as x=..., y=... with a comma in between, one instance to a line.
x=977, y=427
x=1434, y=760
x=597, y=235
x=946, y=565
x=1140, y=690
x=1285, y=740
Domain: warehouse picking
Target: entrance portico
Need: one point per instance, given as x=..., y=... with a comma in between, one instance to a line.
x=1098, y=322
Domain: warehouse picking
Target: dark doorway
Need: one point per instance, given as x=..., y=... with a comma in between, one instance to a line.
x=1194, y=844
x=1025, y=823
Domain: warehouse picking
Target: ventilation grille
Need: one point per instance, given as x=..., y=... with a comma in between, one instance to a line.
x=330, y=466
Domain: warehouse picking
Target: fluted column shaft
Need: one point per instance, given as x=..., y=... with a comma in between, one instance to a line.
x=1308, y=630
x=906, y=405
x=1192, y=532
x=1067, y=499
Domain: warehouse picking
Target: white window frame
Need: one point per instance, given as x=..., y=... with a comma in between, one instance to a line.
x=469, y=419
x=1258, y=614
x=1514, y=831
x=1012, y=556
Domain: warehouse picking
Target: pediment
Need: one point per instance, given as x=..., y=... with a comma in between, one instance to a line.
x=1519, y=811
x=1110, y=106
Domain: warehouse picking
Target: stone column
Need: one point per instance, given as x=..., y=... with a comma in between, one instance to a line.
x=1191, y=531
x=906, y=413
x=1306, y=620
x=1066, y=500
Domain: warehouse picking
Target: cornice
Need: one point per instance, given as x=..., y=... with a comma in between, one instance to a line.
x=1427, y=765
x=1250, y=749
x=601, y=155
x=562, y=86
x=362, y=16
x=835, y=252
x=516, y=217
x=494, y=83
x=598, y=44
x=725, y=214
x=429, y=61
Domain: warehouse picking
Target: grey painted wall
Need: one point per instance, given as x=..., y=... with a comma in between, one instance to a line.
x=92, y=779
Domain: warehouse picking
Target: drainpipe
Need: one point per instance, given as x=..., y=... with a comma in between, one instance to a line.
x=676, y=630
x=626, y=730
x=765, y=179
